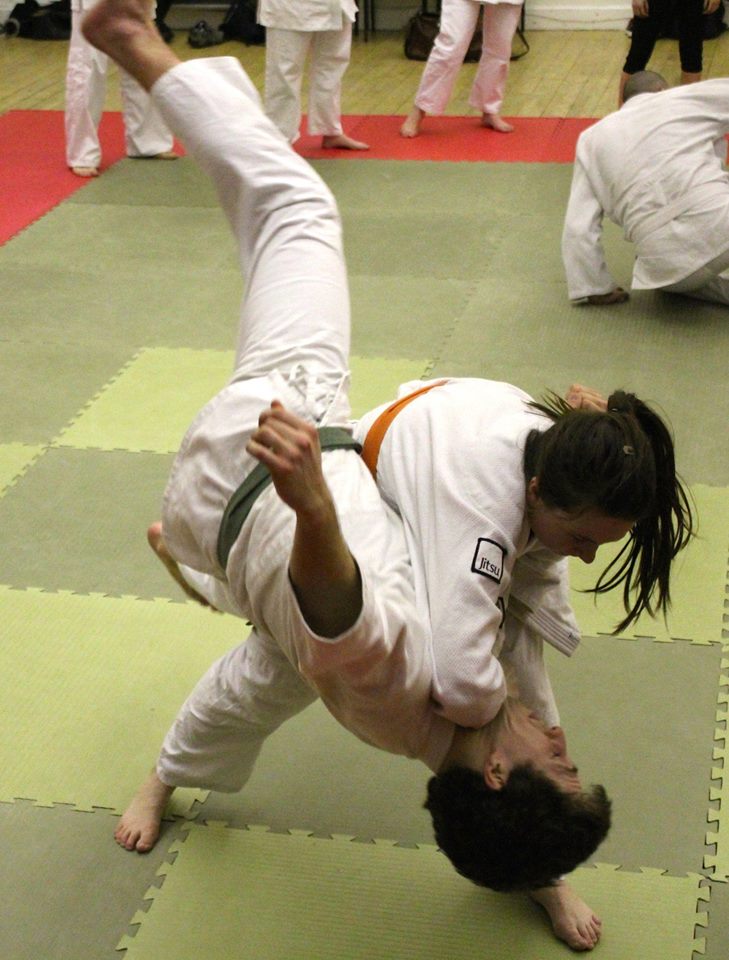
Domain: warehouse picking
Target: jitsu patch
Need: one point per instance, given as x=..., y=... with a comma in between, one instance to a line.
x=488, y=559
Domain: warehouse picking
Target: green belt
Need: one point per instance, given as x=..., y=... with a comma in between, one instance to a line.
x=239, y=505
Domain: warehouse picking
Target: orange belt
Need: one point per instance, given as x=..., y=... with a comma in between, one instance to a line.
x=376, y=433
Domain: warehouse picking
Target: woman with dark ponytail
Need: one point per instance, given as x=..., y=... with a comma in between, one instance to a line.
x=618, y=460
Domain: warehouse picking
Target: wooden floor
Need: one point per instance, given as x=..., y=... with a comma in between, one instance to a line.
x=566, y=73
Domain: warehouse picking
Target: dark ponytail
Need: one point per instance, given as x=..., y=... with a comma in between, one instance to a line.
x=620, y=462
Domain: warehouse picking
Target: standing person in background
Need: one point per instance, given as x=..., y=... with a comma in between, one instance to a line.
x=457, y=23
x=649, y=18
x=321, y=30
x=145, y=132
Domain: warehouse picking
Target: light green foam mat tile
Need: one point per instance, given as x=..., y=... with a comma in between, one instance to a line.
x=90, y=686
x=698, y=587
x=718, y=861
x=14, y=458
x=253, y=894
x=150, y=404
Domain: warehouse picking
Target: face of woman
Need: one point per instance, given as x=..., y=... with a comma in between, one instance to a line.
x=572, y=534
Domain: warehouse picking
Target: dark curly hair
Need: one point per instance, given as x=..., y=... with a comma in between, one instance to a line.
x=620, y=462
x=521, y=837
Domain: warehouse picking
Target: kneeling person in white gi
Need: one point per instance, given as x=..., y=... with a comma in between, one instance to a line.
x=316, y=560
x=655, y=167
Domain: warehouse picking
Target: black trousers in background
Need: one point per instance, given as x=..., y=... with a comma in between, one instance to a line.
x=646, y=30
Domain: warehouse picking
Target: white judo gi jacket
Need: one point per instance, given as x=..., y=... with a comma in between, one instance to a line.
x=306, y=15
x=451, y=464
x=655, y=168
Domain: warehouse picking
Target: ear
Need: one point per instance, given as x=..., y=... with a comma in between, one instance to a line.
x=532, y=491
x=495, y=773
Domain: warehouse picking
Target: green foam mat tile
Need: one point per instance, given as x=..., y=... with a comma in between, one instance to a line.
x=267, y=896
x=139, y=184
x=67, y=889
x=517, y=190
x=44, y=384
x=407, y=317
x=665, y=349
x=698, y=586
x=718, y=862
x=91, y=685
x=148, y=237
x=399, y=244
x=717, y=931
x=71, y=303
x=151, y=403
x=640, y=718
x=77, y=520
x=14, y=458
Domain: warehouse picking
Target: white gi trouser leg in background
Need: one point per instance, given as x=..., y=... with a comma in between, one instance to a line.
x=457, y=22
x=329, y=60
x=85, y=91
x=145, y=133
x=499, y=26
x=286, y=52
x=218, y=734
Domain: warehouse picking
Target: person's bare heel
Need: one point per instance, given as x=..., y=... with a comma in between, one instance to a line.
x=411, y=126
x=139, y=826
x=496, y=122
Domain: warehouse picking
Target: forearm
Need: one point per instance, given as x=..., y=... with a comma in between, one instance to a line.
x=324, y=574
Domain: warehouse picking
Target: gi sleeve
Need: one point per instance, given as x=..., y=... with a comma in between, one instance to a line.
x=582, y=250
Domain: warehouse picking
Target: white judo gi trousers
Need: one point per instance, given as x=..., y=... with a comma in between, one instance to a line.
x=286, y=54
x=145, y=132
x=295, y=311
x=457, y=22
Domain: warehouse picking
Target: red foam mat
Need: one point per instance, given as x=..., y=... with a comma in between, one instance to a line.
x=34, y=177
x=534, y=140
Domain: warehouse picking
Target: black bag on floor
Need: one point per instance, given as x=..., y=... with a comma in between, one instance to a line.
x=421, y=31
x=240, y=23
x=34, y=22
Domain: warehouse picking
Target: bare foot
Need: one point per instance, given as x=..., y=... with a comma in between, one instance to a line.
x=497, y=123
x=572, y=920
x=411, y=127
x=165, y=155
x=341, y=141
x=139, y=826
x=157, y=543
x=85, y=171
x=124, y=30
